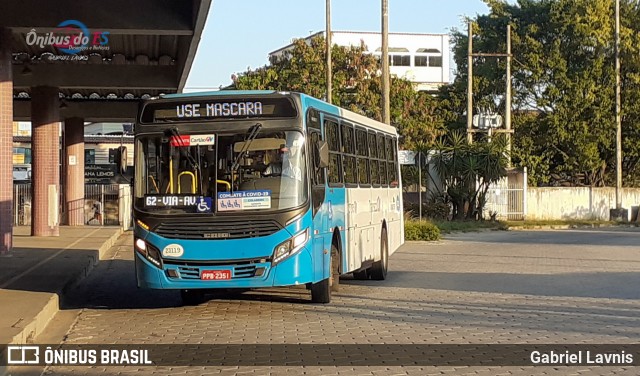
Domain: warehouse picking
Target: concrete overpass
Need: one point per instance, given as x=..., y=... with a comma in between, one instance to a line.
x=117, y=52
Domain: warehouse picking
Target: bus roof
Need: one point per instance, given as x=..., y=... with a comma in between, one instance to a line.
x=217, y=93
x=344, y=113
x=354, y=117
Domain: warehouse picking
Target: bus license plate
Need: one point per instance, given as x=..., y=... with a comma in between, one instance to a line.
x=215, y=275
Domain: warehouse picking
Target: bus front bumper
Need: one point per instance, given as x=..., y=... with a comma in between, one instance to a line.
x=295, y=270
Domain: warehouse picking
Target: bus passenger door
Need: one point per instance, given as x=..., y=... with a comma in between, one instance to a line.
x=321, y=240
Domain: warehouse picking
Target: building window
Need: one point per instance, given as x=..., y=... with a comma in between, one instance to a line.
x=398, y=56
x=400, y=60
x=435, y=61
x=421, y=61
x=428, y=57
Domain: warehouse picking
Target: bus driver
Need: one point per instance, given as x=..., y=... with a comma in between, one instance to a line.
x=276, y=160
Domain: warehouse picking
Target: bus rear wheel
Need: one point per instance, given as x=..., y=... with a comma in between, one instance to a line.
x=361, y=274
x=378, y=270
x=192, y=297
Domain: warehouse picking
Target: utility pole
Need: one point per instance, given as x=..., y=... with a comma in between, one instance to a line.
x=328, y=41
x=618, y=119
x=386, y=112
x=507, y=116
x=470, y=84
x=507, y=99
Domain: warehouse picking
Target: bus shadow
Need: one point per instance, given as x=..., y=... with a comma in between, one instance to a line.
x=112, y=285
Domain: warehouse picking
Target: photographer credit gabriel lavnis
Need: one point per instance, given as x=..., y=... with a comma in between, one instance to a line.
x=581, y=357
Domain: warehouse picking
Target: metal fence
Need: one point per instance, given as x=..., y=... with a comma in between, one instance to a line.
x=506, y=199
x=101, y=205
x=22, y=204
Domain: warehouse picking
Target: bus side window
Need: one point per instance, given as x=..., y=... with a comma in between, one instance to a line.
x=332, y=135
x=362, y=147
x=383, y=160
x=349, y=158
x=373, y=157
x=391, y=173
x=392, y=168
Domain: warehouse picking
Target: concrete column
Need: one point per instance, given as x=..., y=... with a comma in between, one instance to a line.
x=73, y=180
x=6, y=143
x=45, y=143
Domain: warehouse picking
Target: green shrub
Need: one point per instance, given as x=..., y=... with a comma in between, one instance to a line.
x=435, y=211
x=416, y=230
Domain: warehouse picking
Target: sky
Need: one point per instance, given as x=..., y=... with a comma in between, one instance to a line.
x=241, y=33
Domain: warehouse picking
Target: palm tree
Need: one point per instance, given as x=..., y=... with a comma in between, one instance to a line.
x=467, y=171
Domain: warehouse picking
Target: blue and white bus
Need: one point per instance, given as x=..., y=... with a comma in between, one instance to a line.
x=249, y=189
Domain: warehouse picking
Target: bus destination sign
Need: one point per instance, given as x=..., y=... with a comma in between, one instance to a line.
x=214, y=109
x=225, y=109
x=202, y=204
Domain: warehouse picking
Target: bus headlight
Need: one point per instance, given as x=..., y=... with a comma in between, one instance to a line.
x=291, y=246
x=150, y=252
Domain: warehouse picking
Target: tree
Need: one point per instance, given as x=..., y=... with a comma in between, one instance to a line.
x=563, y=85
x=468, y=170
x=356, y=86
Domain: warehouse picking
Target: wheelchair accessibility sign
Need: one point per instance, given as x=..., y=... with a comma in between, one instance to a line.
x=204, y=205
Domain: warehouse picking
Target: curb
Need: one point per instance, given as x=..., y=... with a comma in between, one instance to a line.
x=39, y=322
x=92, y=263
x=42, y=319
x=565, y=227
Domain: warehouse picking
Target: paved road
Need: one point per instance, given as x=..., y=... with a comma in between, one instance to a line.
x=569, y=286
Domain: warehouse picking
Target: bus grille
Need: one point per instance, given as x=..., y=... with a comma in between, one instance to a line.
x=239, y=271
x=217, y=230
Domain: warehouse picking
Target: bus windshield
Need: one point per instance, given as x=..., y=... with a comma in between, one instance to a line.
x=194, y=173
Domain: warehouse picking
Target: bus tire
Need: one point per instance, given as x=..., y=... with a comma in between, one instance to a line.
x=191, y=297
x=361, y=274
x=321, y=291
x=379, y=269
x=335, y=268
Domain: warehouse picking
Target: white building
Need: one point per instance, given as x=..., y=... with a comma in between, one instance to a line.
x=107, y=128
x=420, y=58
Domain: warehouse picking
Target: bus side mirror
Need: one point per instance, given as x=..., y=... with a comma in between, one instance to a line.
x=322, y=154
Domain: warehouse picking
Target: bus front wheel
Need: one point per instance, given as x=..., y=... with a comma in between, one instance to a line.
x=335, y=268
x=321, y=291
x=379, y=269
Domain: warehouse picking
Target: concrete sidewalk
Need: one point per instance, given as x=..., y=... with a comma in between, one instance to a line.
x=39, y=270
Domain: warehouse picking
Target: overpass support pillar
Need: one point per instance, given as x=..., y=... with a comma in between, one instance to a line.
x=45, y=143
x=6, y=143
x=73, y=167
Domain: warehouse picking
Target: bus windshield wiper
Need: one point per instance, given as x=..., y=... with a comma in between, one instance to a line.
x=173, y=132
x=249, y=137
x=252, y=134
